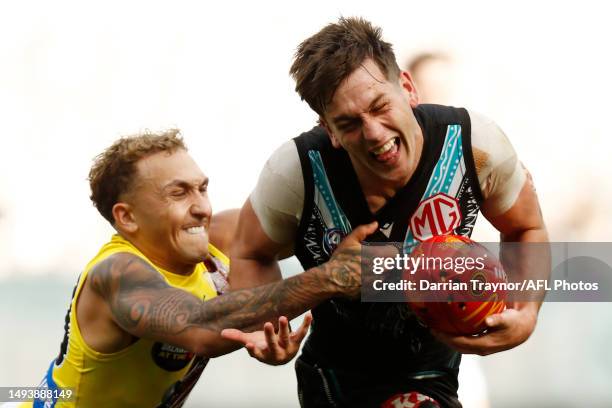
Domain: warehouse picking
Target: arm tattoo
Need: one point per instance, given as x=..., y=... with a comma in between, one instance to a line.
x=139, y=298
x=145, y=305
x=246, y=309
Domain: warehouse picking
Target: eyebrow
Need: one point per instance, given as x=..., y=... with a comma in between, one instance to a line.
x=183, y=183
x=348, y=118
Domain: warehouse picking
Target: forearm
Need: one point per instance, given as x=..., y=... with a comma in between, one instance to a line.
x=246, y=309
x=143, y=304
x=527, y=258
x=213, y=345
x=536, y=234
x=177, y=317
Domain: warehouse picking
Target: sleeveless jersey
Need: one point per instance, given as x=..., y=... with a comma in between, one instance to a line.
x=442, y=197
x=146, y=373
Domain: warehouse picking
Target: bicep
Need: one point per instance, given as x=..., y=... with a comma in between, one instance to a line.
x=523, y=215
x=510, y=202
x=268, y=221
x=143, y=304
x=523, y=223
x=254, y=255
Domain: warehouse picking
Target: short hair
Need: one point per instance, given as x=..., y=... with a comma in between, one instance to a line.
x=324, y=60
x=112, y=173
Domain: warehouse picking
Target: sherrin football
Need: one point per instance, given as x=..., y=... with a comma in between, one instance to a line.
x=453, y=279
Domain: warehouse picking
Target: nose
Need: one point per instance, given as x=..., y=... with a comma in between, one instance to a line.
x=373, y=130
x=200, y=207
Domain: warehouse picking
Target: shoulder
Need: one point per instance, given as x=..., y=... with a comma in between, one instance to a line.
x=485, y=130
x=285, y=161
x=500, y=173
x=490, y=145
x=121, y=269
x=223, y=228
x=281, y=182
x=278, y=197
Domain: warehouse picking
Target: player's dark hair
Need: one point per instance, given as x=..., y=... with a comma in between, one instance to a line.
x=324, y=60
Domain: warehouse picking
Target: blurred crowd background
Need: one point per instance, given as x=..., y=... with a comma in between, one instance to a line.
x=74, y=76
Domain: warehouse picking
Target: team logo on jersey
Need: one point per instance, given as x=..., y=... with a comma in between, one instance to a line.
x=437, y=215
x=331, y=239
x=410, y=400
x=386, y=229
x=169, y=357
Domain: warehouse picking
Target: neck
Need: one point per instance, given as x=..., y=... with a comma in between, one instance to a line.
x=175, y=268
x=160, y=260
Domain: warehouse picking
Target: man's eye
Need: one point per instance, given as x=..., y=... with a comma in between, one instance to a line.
x=380, y=108
x=177, y=193
x=347, y=127
x=203, y=189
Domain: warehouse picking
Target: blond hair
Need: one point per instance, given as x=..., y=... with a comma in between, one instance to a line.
x=112, y=172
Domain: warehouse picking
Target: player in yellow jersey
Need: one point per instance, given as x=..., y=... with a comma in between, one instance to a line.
x=145, y=315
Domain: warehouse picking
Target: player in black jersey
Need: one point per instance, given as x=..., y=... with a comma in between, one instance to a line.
x=420, y=171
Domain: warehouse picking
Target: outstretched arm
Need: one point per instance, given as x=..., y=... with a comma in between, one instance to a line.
x=144, y=305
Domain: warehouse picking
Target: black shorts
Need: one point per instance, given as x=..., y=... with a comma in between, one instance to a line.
x=326, y=387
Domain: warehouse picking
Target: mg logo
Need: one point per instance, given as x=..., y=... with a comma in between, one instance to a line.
x=438, y=215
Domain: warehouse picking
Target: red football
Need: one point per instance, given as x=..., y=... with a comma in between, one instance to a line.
x=456, y=284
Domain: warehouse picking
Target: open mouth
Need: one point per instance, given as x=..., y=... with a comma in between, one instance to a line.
x=386, y=152
x=195, y=230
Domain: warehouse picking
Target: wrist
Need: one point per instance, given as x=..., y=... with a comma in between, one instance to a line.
x=328, y=282
x=529, y=311
x=342, y=278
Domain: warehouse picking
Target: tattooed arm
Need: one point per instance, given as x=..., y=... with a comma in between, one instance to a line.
x=144, y=305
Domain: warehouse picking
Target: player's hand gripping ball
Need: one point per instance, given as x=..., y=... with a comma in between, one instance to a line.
x=453, y=280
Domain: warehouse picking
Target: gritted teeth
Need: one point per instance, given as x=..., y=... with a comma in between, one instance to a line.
x=384, y=148
x=195, y=230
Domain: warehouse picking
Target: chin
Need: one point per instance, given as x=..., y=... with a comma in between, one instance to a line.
x=201, y=255
x=193, y=254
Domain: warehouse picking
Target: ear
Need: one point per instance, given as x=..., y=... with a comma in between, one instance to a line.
x=124, y=218
x=330, y=133
x=407, y=84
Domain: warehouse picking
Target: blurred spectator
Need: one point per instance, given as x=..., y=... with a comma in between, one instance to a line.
x=434, y=75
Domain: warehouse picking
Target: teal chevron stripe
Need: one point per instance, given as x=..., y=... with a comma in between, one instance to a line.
x=321, y=181
x=443, y=174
